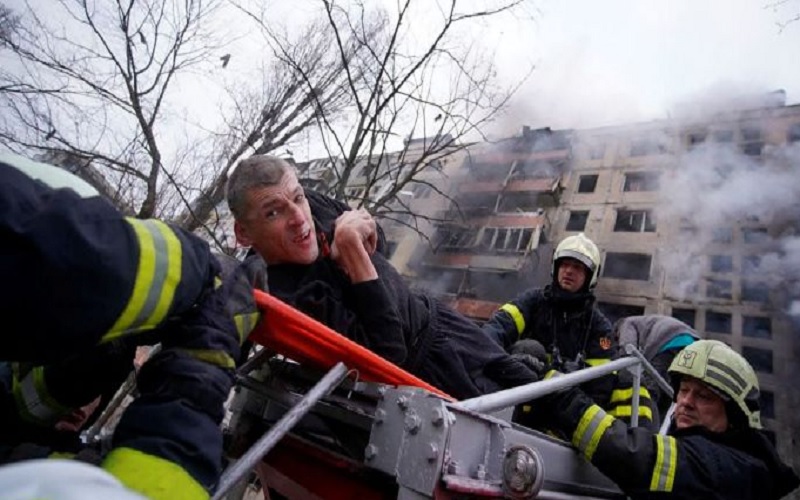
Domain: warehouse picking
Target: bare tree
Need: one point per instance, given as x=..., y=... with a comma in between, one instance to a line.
x=97, y=76
x=413, y=77
x=95, y=95
x=267, y=117
x=788, y=12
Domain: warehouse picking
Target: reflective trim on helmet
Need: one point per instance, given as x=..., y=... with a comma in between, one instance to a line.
x=592, y=426
x=157, y=277
x=153, y=476
x=666, y=462
x=738, y=387
x=516, y=315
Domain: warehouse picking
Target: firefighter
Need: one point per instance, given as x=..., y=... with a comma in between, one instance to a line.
x=563, y=316
x=714, y=448
x=84, y=277
x=325, y=260
x=660, y=339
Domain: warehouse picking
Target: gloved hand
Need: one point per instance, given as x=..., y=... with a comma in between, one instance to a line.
x=536, y=365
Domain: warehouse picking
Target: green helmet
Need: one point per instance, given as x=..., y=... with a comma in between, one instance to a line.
x=582, y=249
x=725, y=371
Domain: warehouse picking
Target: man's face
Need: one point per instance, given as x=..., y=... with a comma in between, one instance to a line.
x=696, y=404
x=571, y=274
x=278, y=223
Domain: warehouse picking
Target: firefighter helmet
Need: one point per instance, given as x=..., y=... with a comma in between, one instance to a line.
x=60, y=479
x=582, y=249
x=726, y=372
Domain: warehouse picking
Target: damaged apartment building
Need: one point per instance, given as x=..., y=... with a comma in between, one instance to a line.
x=696, y=218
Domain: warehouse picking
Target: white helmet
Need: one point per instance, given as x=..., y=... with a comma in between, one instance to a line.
x=582, y=249
x=60, y=480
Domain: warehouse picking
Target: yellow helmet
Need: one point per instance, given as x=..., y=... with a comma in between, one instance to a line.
x=725, y=371
x=582, y=249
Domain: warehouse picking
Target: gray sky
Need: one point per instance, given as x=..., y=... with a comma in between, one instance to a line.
x=618, y=61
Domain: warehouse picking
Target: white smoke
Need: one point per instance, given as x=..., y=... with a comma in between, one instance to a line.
x=715, y=186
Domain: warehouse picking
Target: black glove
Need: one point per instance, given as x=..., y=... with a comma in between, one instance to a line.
x=536, y=365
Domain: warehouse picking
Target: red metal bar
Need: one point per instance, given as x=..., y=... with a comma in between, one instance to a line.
x=306, y=340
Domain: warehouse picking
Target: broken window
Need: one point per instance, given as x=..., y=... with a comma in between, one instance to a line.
x=721, y=263
x=755, y=291
x=793, y=135
x=766, y=404
x=753, y=148
x=577, y=220
x=759, y=327
x=751, y=264
x=755, y=235
x=636, y=221
x=695, y=139
x=506, y=239
x=684, y=314
x=718, y=322
x=455, y=238
x=355, y=192
x=644, y=147
x=719, y=289
x=534, y=169
x=587, y=183
x=722, y=235
x=628, y=266
x=723, y=136
x=760, y=359
x=641, y=181
x=616, y=312
x=752, y=142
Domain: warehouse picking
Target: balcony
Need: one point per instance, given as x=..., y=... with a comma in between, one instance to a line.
x=470, y=260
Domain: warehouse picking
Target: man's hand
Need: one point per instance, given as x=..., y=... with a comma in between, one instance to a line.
x=354, y=240
x=356, y=225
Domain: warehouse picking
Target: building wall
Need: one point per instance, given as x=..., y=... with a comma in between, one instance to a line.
x=618, y=156
x=607, y=154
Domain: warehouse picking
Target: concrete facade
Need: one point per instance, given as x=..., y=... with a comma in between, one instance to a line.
x=692, y=217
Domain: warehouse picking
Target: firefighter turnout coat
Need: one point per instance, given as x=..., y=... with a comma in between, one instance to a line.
x=80, y=276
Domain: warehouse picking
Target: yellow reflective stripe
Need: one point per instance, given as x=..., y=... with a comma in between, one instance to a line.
x=158, y=274
x=666, y=462
x=245, y=323
x=622, y=395
x=552, y=373
x=152, y=476
x=597, y=361
x=211, y=356
x=34, y=402
x=516, y=315
x=627, y=411
x=592, y=426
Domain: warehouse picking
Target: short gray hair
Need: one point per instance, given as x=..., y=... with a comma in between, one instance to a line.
x=254, y=172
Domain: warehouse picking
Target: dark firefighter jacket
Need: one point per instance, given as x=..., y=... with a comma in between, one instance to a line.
x=81, y=277
x=688, y=463
x=572, y=330
x=407, y=328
